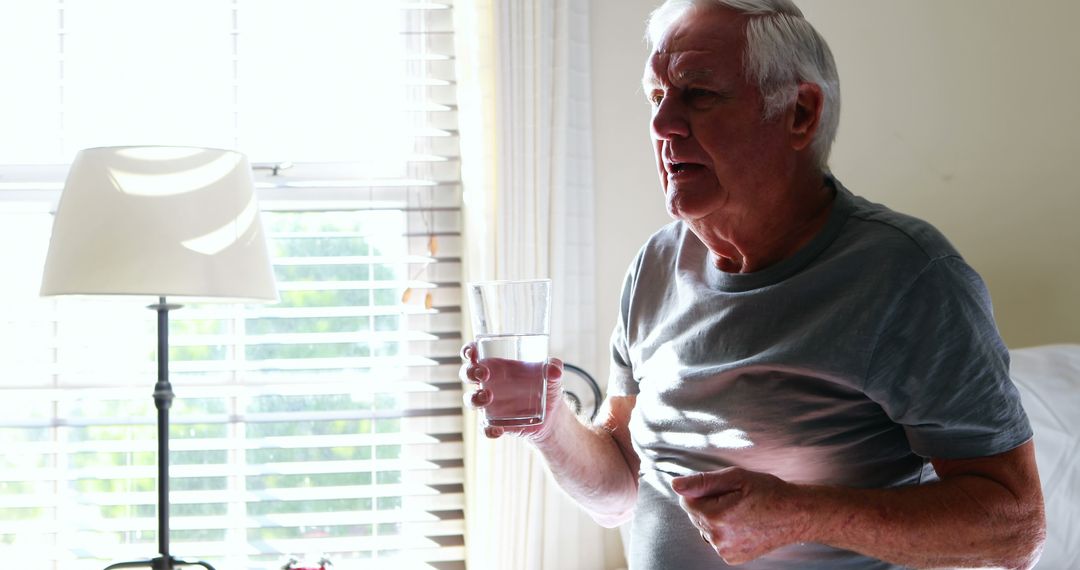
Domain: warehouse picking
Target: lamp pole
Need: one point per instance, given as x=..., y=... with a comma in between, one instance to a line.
x=163, y=397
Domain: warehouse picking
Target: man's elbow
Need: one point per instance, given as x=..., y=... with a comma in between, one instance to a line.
x=1028, y=542
x=1033, y=550
x=1025, y=560
x=612, y=520
x=615, y=510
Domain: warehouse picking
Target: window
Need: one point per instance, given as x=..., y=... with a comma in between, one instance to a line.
x=328, y=423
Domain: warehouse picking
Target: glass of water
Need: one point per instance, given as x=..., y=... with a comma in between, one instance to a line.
x=512, y=323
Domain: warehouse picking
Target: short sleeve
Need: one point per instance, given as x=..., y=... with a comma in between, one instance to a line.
x=940, y=369
x=621, y=381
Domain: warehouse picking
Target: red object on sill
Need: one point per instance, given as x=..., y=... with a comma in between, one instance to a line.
x=294, y=564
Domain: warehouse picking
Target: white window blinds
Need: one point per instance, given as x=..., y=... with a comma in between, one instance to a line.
x=327, y=424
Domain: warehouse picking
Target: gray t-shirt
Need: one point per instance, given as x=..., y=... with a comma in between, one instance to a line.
x=851, y=363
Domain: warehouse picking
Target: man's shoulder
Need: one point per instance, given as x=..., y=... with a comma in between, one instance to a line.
x=657, y=259
x=891, y=233
x=668, y=234
x=665, y=241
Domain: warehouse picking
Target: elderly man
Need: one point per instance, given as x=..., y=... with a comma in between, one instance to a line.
x=800, y=378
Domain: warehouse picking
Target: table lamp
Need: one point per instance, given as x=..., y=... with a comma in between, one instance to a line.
x=161, y=222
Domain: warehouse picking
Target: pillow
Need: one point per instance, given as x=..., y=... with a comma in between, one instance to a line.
x=1048, y=378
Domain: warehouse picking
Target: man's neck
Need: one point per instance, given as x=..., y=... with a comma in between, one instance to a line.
x=776, y=235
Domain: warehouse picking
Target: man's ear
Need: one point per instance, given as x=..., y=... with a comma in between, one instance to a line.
x=806, y=115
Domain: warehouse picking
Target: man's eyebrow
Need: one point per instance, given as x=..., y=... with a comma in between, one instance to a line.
x=692, y=75
x=651, y=81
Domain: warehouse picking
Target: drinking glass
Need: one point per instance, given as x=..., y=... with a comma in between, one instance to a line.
x=512, y=323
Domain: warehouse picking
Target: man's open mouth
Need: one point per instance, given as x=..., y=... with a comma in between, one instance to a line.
x=682, y=167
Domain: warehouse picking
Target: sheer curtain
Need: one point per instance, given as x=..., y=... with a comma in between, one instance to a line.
x=525, y=115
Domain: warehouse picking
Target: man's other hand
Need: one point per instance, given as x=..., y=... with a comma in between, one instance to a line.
x=741, y=514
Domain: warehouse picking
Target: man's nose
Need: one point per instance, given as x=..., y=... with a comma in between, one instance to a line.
x=669, y=120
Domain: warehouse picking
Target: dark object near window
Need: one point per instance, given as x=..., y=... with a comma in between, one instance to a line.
x=582, y=391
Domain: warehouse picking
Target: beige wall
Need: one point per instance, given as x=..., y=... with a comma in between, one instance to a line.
x=629, y=203
x=962, y=112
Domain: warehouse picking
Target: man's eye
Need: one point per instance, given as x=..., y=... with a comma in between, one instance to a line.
x=699, y=94
x=656, y=98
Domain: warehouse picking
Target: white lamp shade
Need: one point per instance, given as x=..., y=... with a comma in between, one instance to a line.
x=159, y=221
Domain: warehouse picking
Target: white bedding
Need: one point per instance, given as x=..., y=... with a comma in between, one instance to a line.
x=1048, y=378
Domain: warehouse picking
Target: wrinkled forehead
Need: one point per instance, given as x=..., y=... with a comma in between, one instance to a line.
x=699, y=41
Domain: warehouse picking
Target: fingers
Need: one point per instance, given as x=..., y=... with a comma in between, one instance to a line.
x=478, y=398
x=713, y=536
x=493, y=432
x=468, y=353
x=470, y=370
x=708, y=483
x=477, y=373
x=474, y=373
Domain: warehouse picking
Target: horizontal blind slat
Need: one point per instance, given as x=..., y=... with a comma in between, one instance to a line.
x=204, y=471
x=419, y=549
x=433, y=497
x=28, y=450
x=420, y=521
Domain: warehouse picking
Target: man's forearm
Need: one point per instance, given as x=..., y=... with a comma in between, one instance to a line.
x=963, y=522
x=590, y=466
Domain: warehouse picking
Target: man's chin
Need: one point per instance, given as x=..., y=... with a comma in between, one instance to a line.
x=678, y=212
x=690, y=203
x=687, y=211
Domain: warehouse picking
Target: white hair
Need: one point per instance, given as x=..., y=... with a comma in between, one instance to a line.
x=782, y=50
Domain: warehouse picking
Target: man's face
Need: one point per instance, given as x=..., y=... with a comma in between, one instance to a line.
x=720, y=165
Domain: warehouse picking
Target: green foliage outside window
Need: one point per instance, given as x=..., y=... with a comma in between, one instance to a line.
x=205, y=421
